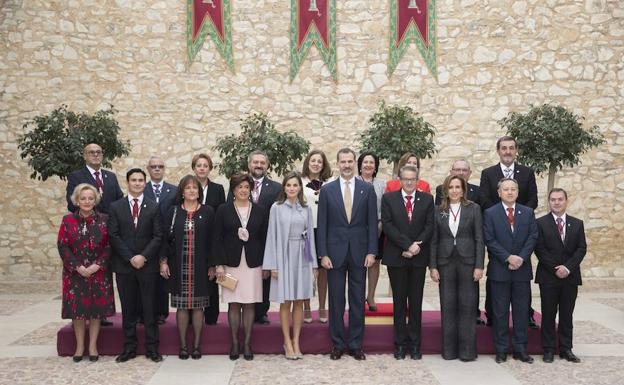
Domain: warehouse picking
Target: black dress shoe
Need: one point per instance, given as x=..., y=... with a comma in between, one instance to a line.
x=94, y=358
x=154, y=356
x=415, y=354
x=77, y=358
x=399, y=352
x=336, y=353
x=549, y=357
x=160, y=319
x=357, y=354
x=569, y=356
x=183, y=354
x=480, y=321
x=125, y=356
x=468, y=359
x=532, y=323
x=263, y=320
x=501, y=357
x=522, y=356
x=139, y=321
x=105, y=322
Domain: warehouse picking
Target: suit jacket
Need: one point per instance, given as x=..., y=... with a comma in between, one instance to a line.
x=551, y=251
x=473, y=194
x=128, y=241
x=501, y=242
x=167, y=197
x=111, y=193
x=337, y=236
x=215, y=195
x=226, y=245
x=401, y=233
x=468, y=241
x=527, y=188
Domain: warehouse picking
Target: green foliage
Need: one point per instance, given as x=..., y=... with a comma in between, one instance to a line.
x=395, y=130
x=259, y=133
x=55, y=142
x=550, y=137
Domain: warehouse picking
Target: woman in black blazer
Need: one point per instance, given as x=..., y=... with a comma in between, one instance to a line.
x=456, y=262
x=238, y=246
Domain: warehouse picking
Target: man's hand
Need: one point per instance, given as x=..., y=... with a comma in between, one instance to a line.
x=415, y=248
x=477, y=274
x=369, y=260
x=138, y=261
x=435, y=275
x=561, y=271
x=514, y=262
x=164, y=270
x=326, y=263
x=407, y=254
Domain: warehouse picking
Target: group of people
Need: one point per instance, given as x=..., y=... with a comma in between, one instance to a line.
x=271, y=242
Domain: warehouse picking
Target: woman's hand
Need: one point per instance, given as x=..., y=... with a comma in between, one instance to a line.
x=220, y=271
x=435, y=275
x=164, y=270
x=83, y=271
x=274, y=274
x=93, y=268
x=477, y=274
x=212, y=273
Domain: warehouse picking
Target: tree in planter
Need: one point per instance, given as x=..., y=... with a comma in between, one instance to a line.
x=395, y=130
x=55, y=144
x=550, y=137
x=259, y=133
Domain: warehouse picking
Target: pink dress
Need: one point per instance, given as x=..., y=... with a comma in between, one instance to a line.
x=249, y=287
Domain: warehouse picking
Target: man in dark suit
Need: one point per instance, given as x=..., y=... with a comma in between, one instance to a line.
x=163, y=194
x=264, y=193
x=135, y=230
x=407, y=219
x=93, y=173
x=461, y=168
x=507, y=150
x=560, y=249
x=347, y=243
x=510, y=234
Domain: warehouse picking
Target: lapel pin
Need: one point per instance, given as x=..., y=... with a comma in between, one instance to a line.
x=519, y=212
x=361, y=191
x=200, y=217
x=144, y=204
x=417, y=199
x=168, y=190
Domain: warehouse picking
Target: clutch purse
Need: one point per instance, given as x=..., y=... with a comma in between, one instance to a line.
x=229, y=281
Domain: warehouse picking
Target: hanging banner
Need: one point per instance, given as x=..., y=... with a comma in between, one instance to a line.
x=412, y=21
x=312, y=22
x=209, y=17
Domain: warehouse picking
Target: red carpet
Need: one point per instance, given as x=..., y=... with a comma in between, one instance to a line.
x=267, y=339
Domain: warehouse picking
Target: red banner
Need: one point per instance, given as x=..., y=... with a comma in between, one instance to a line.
x=207, y=8
x=412, y=12
x=314, y=12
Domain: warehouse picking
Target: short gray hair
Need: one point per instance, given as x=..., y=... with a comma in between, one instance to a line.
x=258, y=152
x=408, y=167
x=82, y=187
x=503, y=180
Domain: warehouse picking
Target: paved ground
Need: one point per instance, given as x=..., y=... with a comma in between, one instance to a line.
x=29, y=319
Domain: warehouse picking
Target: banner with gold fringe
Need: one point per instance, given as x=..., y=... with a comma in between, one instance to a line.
x=209, y=17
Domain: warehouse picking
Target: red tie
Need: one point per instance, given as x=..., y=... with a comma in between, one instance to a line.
x=135, y=211
x=98, y=182
x=560, y=227
x=510, y=216
x=408, y=207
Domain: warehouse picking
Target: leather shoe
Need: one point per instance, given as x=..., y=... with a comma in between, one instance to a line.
x=106, y=322
x=399, y=352
x=77, y=358
x=532, y=323
x=125, y=356
x=501, y=357
x=480, y=321
x=569, y=356
x=522, y=356
x=336, y=353
x=154, y=356
x=415, y=354
x=94, y=358
x=549, y=357
x=263, y=320
x=357, y=354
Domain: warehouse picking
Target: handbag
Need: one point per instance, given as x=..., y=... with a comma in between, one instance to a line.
x=229, y=281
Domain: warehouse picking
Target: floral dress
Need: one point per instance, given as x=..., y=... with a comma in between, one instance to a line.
x=83, y=241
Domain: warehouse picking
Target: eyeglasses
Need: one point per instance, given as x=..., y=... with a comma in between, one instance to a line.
x=463, y=170
x=409, y=180
x=94, y=153
x=157, y=166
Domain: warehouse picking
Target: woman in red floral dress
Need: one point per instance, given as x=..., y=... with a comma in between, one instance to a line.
x=87, y=285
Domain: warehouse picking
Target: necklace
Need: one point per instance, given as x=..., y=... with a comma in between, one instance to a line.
x=455, y=214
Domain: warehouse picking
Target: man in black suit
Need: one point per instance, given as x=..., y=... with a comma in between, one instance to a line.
x=105, y=181
x=407, y=219
x=560, y=249
x=93, y=173
x=510, y=234
x=461, y=168
x=264, y=193
x=135, y=230
x=507, y=150
x=347, y=244
x=163, y=194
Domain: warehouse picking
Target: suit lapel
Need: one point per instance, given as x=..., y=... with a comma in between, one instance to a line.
x=142, y=213
x=400, y=206
x=336, y=193
x=503, y=216
x=553, y=227
x=358, y=196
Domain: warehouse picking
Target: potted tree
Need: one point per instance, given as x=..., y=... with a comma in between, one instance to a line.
x=259, y=133
x=53, y=143
x=550, y=137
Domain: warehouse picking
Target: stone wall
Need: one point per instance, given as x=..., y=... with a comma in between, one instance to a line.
x=494, y=56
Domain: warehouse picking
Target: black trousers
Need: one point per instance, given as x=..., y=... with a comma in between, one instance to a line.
x=457, y=296
x=562, y=298
x=337, y=278
x=128, y=286
x=211, y=312
x=161, y=300
x=503, y=294
x=407, y=294
x=263, y=307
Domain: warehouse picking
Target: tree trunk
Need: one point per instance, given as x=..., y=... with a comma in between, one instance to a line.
x=552, y=171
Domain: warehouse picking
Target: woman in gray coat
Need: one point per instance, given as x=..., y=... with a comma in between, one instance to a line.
x=456, y=262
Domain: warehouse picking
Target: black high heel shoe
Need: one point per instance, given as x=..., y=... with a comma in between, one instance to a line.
x=247, y=354
x=196, y=353
x=77, y=358
x=184, y=354
x=234, y=354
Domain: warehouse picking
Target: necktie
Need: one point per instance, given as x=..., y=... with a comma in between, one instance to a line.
x=408, y=207
x=256, y=192
x=98, y=182
x=135, y=211
x=510, y=217
x=347, y=200
x=508, y=173
x=157, y=191
x=560, y=227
